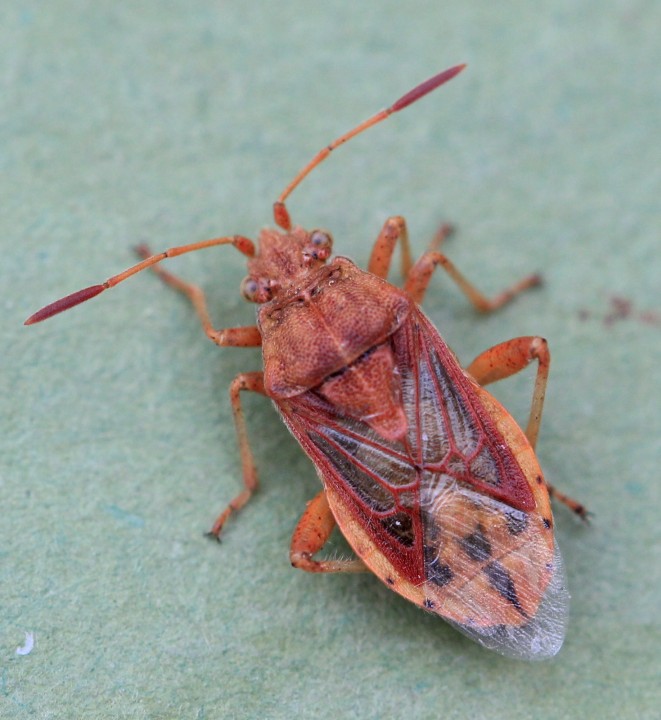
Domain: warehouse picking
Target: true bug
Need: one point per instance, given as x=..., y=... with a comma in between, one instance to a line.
x=434, y=485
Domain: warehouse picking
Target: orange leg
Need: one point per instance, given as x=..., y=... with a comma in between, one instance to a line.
x=393, y=230
x=228, y=337
x=420, y=275
x=253, y=382
x=312, y=532
x=572, y=504
x=509, y=358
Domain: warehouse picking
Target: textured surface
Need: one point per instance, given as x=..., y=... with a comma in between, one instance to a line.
x=173, y=121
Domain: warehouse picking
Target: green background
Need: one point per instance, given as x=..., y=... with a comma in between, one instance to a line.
x=173, y=121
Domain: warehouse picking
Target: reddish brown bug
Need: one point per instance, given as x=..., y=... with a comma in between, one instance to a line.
x=434, y=485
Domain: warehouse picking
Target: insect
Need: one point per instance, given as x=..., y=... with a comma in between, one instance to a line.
x=434, y=485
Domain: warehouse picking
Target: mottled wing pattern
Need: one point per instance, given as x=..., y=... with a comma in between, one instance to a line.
x=463, y=529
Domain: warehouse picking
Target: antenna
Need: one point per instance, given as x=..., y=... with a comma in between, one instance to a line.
x=280, y=212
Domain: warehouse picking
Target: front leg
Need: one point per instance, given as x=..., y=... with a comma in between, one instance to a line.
x=252, y=381
x=227, y=337
x=420, y=275
x=395, y=229
x=312, y=532
x=380, y=260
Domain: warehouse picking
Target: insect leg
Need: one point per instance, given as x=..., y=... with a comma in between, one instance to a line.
x=227, y=337
x=311, y=533
x=254, y=382
x=440, y=236
x=393, y=230
x=572, y=504
x=509, y=358
x=420, y=275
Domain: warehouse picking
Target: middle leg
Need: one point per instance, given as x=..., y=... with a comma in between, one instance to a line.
x=393, y=230
x=253, y=382
x=509, y=358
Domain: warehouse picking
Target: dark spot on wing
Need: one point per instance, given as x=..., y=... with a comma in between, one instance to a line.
x=437, y=572
x=517, y=521
x=476, y=545
x=400, y=526
x=501, y=581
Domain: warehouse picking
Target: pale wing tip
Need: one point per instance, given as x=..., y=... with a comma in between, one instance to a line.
x=539, y=639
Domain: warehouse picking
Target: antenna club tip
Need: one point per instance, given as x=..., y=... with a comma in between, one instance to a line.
x=65, y=303
x=446, y=75
x=425, y=88
x=454, y=71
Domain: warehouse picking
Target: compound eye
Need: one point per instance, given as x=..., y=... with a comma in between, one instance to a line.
x=320, y=239
x=249, y=288
x=320, y=244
